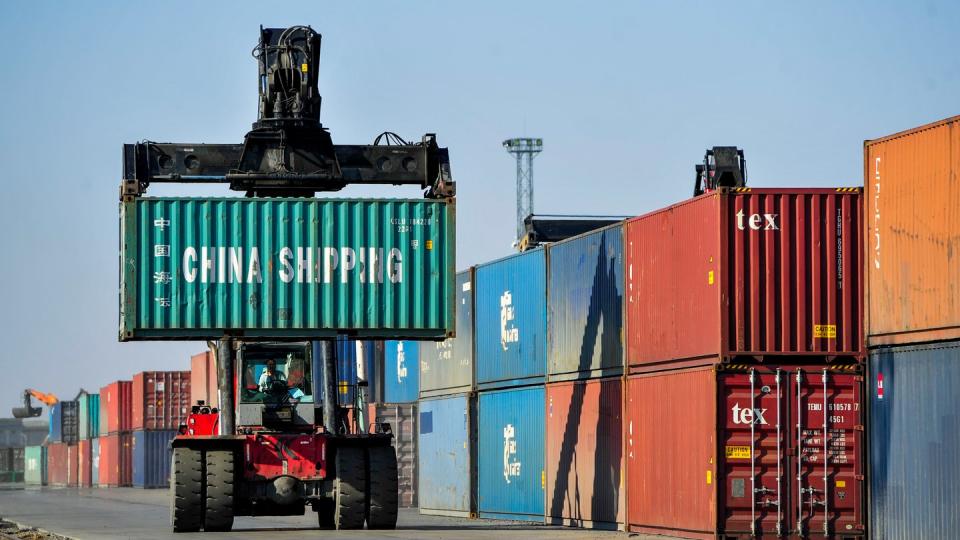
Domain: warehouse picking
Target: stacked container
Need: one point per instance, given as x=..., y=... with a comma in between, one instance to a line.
x=35, y=465
x=89, y=431
x=57, y=464
x=912, y=182
x=116, y=444
x=401, y=371
x=161, y=403
x=511, y=362
x=447, y=443
x=584, y=454
x=203, y=379
x=64, y=422
x=744, y=325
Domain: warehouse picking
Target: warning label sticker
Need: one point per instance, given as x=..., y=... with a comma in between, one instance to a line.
x=828, y=331
x=738, y=452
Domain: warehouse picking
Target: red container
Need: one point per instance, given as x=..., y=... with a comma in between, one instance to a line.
x=57, y=464
x=584, y=453
x=116, y=407
x=710, y=451
x=161, y=399
x=203, y=379
x=746, y=273
x=85, y=463
x=116, y=460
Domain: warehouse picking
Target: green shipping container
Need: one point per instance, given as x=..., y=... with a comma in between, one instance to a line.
x=89, y=415
x=286, y=268
x=35, y=465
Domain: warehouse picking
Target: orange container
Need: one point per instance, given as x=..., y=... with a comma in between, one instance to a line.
x=85, y=463
x=203, y=379
x=912, y=217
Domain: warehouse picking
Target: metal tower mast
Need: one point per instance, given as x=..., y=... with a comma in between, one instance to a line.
x=524, y=150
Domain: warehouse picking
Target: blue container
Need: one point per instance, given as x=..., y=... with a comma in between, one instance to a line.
x=95, y=460
x=511, y=321
x=510, y=473
x=346, y=369
x=446, y=367
x=401, y=371
x=151, y=458
x=64, y=422
x=585, y=300
x=914, y=441
x=446, y=446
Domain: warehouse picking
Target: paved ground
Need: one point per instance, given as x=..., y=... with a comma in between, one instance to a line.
x=136, y=513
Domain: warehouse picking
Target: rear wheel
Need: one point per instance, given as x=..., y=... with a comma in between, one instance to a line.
x=186, y=490
x=218, y=513
x=383, y=488
x=349, y=500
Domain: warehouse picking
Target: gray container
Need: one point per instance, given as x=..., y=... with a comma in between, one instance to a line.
x=446, y=367
x=402, y=418
x=914, y=430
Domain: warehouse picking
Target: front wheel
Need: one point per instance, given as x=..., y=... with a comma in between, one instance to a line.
x=384, y=490
x=186, y=490
x=349, y=500
x=221, y=484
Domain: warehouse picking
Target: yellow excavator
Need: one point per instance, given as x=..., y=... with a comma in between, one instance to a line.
x=28, y=410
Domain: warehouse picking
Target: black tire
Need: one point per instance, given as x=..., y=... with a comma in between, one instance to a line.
x=325, y=511
x=349, y=499
x=186, y=490
x=221, y=485
x=383, y=489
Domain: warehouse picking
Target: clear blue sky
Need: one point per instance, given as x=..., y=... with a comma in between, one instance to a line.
x=626, y=95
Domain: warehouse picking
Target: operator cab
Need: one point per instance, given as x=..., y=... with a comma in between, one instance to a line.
x=276, y=386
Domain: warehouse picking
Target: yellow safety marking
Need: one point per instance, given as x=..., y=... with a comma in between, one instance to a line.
x=303, y=68
x=738, y=452
x=827, y=331
x=710, y=277
x=429, y=244
x=848, y=189
x=709, y=477
x=841, y=483
x=543, y=480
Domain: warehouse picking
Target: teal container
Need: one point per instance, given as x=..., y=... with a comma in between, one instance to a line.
x=89, y=415
x=280, y=268
x=35, y=465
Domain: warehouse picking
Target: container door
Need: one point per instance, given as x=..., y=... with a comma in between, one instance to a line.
x=827, y=441
x=753, y=483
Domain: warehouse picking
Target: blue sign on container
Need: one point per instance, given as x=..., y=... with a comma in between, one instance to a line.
x=914, y=441
x=511, y=321
x=447, y=435
x=511, y=475
x=401, y=371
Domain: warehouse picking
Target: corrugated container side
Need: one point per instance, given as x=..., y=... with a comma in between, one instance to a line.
x=671, y=445
x=446, y=367
x=64, y=422
x=914, y=441
x=35, y=465
x=707, y=451
x=151, y=458
x=95, y=461
x=510, y=473
x=84, y=463
x=401, y=367
x=511, y=321
x=447, y=446
x=116, y=407
x=912, y=219
x=584, y=454
x=307, y=263
x=403, y=419
x=747, y=273
x=57, y=464
x=73, y=465
x=161, y=399
x=116, y=456
x=585, y=301
x=89, y=416
x=203, y=379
